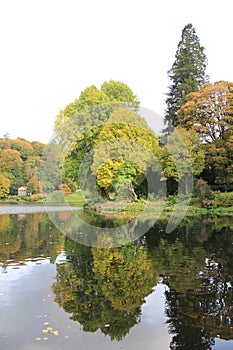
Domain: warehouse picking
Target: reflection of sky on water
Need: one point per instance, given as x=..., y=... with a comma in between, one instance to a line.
x=38, y=208
x=26, y=303
x=222, y=344
x=13, y=274
x=153, y=310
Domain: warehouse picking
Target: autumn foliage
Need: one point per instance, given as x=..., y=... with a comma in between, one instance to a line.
x=19, y=164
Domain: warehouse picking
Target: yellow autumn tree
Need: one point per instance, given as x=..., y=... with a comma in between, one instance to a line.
x=124, y=151
x=4, y=186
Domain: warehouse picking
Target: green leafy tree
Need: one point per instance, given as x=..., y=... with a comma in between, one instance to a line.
x=124, y=151
x=79, y=124
x=187, y=156
x=31, y=166
x=50, y=169
x=120, y=92
x=92, y=107
x=187, y=74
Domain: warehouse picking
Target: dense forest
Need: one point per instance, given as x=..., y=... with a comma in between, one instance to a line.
x=19, y=165
x=110, y=144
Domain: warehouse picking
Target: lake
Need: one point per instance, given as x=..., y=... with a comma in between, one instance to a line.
x=161, y=291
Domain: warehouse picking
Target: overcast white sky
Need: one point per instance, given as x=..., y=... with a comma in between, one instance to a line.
x=52, y=49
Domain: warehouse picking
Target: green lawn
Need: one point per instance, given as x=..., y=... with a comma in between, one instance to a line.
x=75, y=199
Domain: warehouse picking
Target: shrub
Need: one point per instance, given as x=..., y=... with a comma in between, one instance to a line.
x=36, y=196
x=223, y=199
x=65, y=188
x=202, y=193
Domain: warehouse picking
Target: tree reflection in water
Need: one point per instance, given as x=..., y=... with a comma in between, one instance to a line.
x=105, y=288
x=28, y=236
x=202, y=308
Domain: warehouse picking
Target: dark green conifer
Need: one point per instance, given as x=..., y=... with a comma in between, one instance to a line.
x=187, y=74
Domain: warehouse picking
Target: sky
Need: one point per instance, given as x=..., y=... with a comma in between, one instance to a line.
x=51, y=50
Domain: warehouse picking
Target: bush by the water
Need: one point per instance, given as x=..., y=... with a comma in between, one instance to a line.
x=222, y=199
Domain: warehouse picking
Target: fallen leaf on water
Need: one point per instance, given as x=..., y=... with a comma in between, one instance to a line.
x=55, y=332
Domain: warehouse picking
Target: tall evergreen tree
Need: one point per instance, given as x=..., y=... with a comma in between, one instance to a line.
x=187, y=74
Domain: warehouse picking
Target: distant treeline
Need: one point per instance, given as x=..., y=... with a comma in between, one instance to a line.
x=19, y=165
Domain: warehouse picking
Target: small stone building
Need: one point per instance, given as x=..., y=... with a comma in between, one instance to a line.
x=22, y=191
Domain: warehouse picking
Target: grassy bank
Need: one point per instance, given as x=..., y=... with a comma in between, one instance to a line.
x=221, y=205
x=167, y=207
x=75, y=199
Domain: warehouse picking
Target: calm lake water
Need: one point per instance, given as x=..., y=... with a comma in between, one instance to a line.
x=163, y=291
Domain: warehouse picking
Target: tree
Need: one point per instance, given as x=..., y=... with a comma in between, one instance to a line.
x=124, y=151
x=95, y=103
x=120, y=92
x=80, y=123
x=20, y=161
x=187, y=74
x=187, y=156
x=23, y=146
x=209, y=112
x=11, y=167
x=4, y=186
x=50, y=177
x=33, y=185
x=38, y=148
x=65, y=188
x=31, y=166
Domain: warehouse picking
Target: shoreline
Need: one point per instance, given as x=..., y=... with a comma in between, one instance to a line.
x=110, y=208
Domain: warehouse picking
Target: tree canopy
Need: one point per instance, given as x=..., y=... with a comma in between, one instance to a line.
x=92, y=104
x=19, y=163
x=102, y=128
x=123, y=150
x=209, y=112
